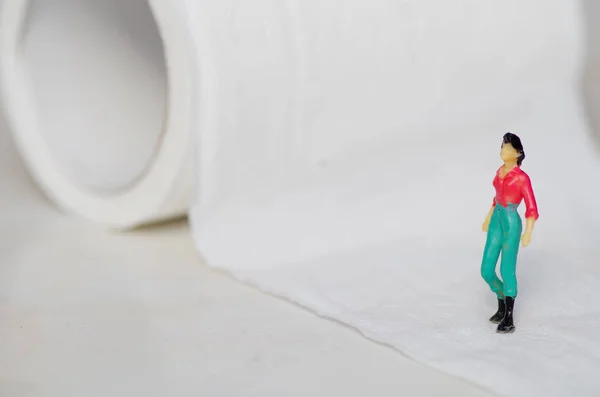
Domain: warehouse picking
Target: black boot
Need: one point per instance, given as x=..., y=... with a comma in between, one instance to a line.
x=499, y=315
x=506, y=325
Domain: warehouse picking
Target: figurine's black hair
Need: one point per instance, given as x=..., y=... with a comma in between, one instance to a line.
x=515, y=142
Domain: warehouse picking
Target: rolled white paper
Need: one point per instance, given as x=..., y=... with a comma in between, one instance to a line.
x=99, y=96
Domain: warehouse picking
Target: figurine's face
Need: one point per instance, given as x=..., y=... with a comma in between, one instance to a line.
x=508, y=153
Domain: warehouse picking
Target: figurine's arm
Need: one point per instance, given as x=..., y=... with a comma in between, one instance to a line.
x=531, y=211
x=486, y=222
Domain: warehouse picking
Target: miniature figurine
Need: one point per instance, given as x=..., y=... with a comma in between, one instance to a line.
x=503, y=226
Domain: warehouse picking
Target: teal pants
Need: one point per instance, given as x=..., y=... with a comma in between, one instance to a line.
x=504, y=235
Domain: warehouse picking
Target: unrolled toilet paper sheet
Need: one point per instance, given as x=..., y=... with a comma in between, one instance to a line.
x=344, y=159
x=425, y=297
x=355, y=172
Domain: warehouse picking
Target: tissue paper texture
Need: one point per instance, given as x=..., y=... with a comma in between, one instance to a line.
x=352, y=163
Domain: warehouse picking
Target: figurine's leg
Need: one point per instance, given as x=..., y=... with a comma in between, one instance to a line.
x=491, y=252
x=510, y=251
x=508, y=264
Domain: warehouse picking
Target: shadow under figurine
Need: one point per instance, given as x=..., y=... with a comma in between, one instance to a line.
x=503, y=226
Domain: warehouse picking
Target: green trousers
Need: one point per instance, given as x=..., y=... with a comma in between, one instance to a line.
x=504, y=235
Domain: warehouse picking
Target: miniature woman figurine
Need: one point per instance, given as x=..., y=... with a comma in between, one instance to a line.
x=503, y=227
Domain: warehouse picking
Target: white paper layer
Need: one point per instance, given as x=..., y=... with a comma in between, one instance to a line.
x=352, y=165
x=344, y=158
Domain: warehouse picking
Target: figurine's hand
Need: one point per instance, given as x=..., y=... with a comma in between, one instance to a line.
x=525, y=239
x=486, y=225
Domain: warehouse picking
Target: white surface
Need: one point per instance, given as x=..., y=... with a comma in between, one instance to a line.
x=85, y=312
x=345, y=157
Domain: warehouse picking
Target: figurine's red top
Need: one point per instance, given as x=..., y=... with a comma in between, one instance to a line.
x=514, y=187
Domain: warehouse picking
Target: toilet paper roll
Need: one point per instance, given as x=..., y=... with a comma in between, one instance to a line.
x=100, y=100
x=110, y=101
